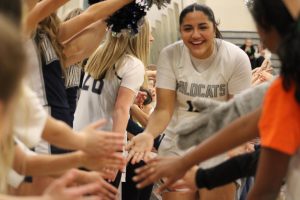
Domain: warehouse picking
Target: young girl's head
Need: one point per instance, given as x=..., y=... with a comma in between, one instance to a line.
x=12, y=59
x=272, y=26
x=280, y=33
x=198, y=28
x=115, y=48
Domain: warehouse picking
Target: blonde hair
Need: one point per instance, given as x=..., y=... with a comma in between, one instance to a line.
x=50, y=26
x=12, y=59
x=113, y=50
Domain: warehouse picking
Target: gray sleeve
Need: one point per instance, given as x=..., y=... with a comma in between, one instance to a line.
x=216, y=115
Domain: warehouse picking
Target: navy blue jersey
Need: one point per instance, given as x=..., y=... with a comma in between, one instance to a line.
x=54, y=84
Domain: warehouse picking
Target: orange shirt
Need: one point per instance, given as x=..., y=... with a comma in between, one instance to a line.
x=279, y=124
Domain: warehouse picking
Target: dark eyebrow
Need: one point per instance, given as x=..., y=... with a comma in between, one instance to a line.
x=187, y=26
x=200, y=24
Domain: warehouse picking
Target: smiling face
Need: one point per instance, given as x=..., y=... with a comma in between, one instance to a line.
x=198, y=33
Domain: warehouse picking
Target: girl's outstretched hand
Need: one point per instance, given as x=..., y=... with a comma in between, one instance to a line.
x=64, y=189
x=168, y=169
x=140, y=147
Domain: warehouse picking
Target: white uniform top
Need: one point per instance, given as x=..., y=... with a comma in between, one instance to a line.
x=34, y=75
x=29, y=122
x=226, y=72
x=98, y=97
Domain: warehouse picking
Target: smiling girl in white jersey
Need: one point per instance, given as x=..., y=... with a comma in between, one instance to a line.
x=201, y=65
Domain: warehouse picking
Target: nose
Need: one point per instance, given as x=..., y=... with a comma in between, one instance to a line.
x=196, y=34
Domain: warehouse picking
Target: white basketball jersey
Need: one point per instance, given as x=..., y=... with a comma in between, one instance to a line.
x=98, y=97
x=229, y=72
x=34, y=74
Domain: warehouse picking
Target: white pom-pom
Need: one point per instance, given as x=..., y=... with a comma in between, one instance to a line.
x=158, y=3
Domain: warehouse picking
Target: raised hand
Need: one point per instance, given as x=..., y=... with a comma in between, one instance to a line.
x=101, y=143
x=140, y=98
x=169, y=169
x=61, y=189
x=188, y=182
x=140, y=147
x=106, y=190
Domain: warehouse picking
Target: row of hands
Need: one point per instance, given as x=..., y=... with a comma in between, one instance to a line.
x=172, y=171
x=103, y=153
x=80, y=185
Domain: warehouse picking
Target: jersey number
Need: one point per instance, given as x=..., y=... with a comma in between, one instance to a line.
x=97, y=85
x=191, y=107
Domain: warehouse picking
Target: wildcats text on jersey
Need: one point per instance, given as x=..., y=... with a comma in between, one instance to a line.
x=201, y=90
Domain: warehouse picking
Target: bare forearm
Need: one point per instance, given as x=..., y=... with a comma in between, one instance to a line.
x=120, y=120
x=60, y=134
x=106, y=7
x=94, y=13
x=41, y=165
x=158, y=122
x=82, y=45
x=269, y=196
x=8, y=197
x=267, y=186
x=41, y=10
x=139, y=115
x=235, y=134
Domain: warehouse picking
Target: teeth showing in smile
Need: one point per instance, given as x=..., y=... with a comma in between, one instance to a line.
x=197, y=42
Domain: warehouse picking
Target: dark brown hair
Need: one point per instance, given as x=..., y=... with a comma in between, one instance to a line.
x=201, y=8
